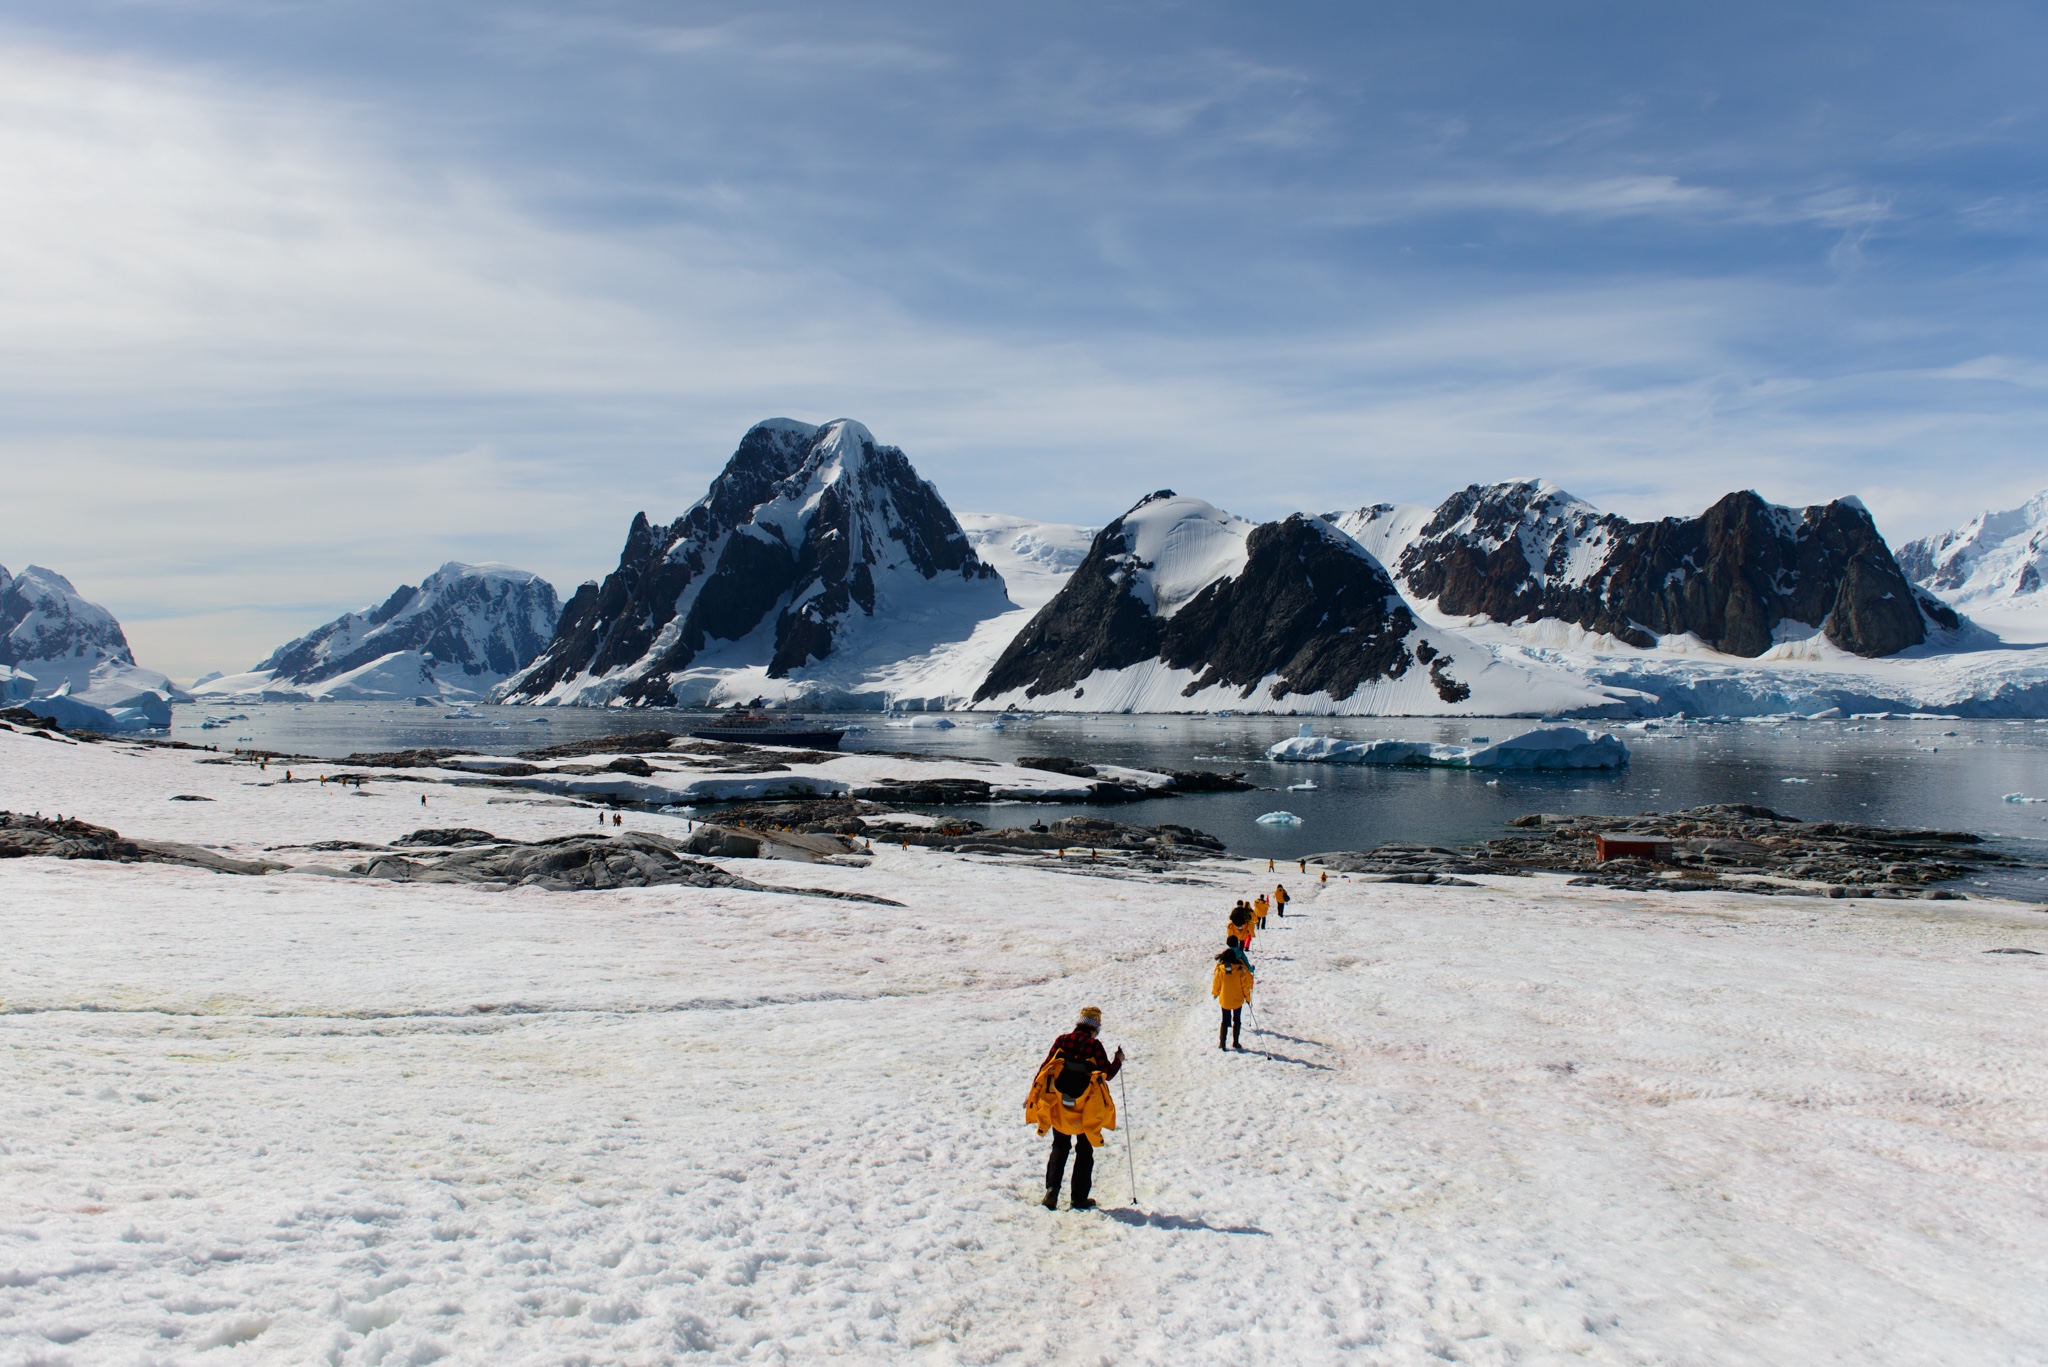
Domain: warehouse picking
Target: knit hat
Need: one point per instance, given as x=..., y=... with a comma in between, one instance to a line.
x=1092, y=1015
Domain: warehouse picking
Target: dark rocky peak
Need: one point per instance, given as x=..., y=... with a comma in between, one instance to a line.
x=1182, y=583
x=1500, y=549
x=803, y=531
x=1734, y=576
x=395, y=604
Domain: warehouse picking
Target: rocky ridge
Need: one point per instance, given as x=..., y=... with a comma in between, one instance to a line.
x=1737, y=577
x=810, y=535
x=1726, y=848
x=1300, y=604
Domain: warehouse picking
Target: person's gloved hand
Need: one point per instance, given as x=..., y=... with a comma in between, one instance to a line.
x=1119, y=1055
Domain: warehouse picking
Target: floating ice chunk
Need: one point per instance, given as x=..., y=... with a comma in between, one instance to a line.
x=1306, y=731
x=1826, y=714
x=1279, y=819
x=1307, y=785
x=1795, y=780
x=1550, y=747
x=2022, y=797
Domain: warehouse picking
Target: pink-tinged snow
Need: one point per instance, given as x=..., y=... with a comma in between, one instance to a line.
x=299, y=1119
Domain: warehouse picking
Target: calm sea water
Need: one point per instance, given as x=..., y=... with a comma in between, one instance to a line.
x=1951, y=774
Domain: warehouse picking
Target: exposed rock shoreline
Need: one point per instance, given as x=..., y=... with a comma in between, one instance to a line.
x=1728, y=848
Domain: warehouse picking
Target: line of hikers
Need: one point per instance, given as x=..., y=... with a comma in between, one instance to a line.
x=1070, y=1095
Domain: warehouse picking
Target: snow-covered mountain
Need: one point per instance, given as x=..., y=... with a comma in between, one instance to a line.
x=814, y=569
x=50, y=631
x=478, y=624
x=1740, y=578
x=460, y=632
x=1995, y=568
x=1180, y=606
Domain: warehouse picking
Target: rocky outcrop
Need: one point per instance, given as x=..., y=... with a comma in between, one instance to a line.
x=474, y=624
x=1296, y=602
x=807, y=532
x=1733, y=576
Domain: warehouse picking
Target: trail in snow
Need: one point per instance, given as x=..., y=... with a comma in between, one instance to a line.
x=362, y=1122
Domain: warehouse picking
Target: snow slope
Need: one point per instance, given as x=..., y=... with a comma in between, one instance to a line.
x=1993, y=568
x=299, y=1119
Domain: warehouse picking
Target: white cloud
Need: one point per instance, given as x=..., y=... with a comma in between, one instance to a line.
x=256, y=368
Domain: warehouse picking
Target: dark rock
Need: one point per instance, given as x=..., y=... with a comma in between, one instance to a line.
x=582, y=863
x=24, y=836
x=189, y=797
x=448, y=836
x=1209, y=781
x=944, y=792
x=637, y=742
x=1729, y=576
x=765, y=543
x=631, y=764
x=402, y=759
x=1309, y=606
x=1057, y=764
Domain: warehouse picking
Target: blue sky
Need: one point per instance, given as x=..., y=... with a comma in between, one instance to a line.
x=305, y=299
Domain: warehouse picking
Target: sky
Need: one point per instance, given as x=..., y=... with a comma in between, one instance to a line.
x=304, y=299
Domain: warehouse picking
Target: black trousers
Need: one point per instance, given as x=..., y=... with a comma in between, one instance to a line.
x=1233, y=1024
x=1084, y=1163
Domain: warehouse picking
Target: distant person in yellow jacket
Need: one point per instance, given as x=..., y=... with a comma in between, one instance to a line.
x=1070, y=1097
x=1280, y=898
x=1243, y=924
x=1260, y=906
x=1231, y=986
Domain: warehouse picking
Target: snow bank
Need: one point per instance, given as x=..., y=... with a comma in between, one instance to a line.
x=1552, y=747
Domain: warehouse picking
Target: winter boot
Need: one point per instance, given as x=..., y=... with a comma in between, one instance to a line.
x=1052, y=1199
x=1082, y=1204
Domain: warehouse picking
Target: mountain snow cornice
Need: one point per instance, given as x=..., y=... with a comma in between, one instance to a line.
x=806, y=532
x=1527, y=550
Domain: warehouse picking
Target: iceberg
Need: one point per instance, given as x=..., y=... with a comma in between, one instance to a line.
x=1279, y=819
x=73, y=715
x=1549, y=747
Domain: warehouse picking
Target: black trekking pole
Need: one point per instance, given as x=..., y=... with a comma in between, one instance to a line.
x=1130, y=1138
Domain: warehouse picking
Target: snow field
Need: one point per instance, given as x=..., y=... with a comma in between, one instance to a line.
x=299, y=1119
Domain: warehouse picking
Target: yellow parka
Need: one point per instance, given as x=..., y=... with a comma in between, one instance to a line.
x=1092, y=1112
x=1231, y=986
x=1243, y=931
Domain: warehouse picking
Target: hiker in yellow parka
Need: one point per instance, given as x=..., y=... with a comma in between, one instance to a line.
x=1260, y=906
x=1070, y=1096
x=1231, y=986
x=1280, y=898
x=1243, y=925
